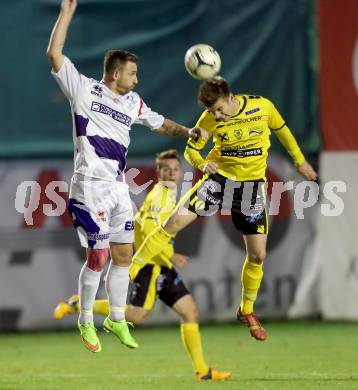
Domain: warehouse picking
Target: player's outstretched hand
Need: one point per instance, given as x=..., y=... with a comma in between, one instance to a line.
x=197, y=132
x=306, y=170
x=179, y=260
x=68, y=6
x=210, y=168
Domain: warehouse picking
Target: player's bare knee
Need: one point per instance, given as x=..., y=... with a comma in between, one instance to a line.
x=122, y=261
x=257, y=257
x=195, y=314
x=191, y=314
x=97, y=259
x=122, y=255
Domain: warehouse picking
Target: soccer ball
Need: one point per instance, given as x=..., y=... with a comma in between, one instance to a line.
x=202, y=61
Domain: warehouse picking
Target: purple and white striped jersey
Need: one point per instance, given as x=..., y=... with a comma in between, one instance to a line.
x=101, y=122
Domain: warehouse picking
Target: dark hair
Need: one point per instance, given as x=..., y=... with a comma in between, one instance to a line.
x=211, y=90
x=166, y=155
x=114, y=59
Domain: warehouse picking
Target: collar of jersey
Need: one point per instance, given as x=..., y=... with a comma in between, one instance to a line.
x=167, y=184
x=116, y=96
x=242, y=100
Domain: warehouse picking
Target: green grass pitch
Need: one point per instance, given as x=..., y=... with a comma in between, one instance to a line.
x=297, y=355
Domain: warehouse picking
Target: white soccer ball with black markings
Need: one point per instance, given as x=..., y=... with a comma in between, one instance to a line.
x=202, y=62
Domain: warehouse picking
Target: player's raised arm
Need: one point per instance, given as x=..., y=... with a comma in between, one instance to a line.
x=192, y=155
x=287, y=139
x=289, y=142
x=172, y=128
x=194, y=148
x=59, y=32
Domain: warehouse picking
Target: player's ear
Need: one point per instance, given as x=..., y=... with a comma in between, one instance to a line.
x=116, y=75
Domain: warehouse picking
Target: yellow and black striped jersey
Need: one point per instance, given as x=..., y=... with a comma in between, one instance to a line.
x=156, y=208
x=241, y=144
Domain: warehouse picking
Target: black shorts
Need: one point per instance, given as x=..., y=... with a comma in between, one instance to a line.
x=154, y=281
x=245, y=201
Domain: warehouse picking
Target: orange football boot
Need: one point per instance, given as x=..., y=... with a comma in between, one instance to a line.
x=213, y=375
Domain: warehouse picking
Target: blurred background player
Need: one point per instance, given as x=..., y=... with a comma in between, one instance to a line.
x=234, y=178
x=99, y=202
x=157, y=277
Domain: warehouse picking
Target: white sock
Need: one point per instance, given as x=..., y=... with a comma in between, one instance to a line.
x=117, y=281
x=88, y=283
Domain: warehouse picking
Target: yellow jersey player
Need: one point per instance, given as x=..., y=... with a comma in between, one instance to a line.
x=157, y=277
x=234, y=177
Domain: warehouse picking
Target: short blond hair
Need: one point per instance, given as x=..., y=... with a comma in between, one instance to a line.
x=166, y=155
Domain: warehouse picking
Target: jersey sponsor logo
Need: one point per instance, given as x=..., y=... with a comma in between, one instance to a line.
x=252, y=111
x=129, y=225
x=241, y=153
x=241, y=121
x=238, y=147
x=97, y=90
x=116, y=115
x=223, y=137
x=97, y=236
x=255, y=131
x=238, y=133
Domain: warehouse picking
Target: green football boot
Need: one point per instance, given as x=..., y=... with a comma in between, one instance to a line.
x=89, y=336
x=120, y=329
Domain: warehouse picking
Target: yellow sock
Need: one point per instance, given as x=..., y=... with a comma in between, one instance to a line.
x=152, y=245
x=251, y=279
x=101, y=307
x=191, y=338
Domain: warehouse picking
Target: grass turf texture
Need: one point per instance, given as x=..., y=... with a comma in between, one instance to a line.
x=297, y=355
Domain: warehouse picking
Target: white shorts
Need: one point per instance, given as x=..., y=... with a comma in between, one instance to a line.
x=101, y=212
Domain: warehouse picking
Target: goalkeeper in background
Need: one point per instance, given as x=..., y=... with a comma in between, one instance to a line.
x=234, y=178
x=157, y=277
